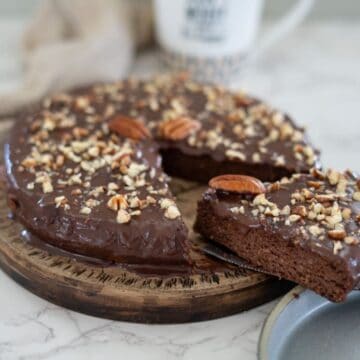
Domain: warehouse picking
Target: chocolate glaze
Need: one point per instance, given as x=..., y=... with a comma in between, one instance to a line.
x=97, y=235
x=200, y=263
x=149, y=238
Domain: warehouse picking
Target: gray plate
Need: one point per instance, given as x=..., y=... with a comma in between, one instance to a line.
x=304, y=325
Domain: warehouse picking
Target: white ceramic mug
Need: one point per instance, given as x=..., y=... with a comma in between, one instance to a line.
x=213, y=38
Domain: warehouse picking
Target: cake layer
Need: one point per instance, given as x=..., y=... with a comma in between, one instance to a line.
x=304, y=229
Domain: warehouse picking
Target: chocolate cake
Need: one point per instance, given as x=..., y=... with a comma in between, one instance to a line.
x=84, y=169
x=305, y=228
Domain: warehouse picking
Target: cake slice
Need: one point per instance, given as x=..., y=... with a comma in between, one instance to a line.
x=304, y=229
x=85, y=189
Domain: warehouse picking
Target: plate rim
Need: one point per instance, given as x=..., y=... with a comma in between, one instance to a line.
x=272, y=317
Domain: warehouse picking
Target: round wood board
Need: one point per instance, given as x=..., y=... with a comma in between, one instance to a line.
x=116, y=293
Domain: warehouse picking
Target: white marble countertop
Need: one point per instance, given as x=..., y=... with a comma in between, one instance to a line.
x=314, y=75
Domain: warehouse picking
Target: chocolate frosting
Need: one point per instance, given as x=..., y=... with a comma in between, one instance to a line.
x=233, y=127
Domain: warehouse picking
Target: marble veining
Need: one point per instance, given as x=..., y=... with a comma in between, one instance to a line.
x=313, y=74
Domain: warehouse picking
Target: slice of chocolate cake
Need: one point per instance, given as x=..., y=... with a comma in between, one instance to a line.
x=87, y=190
x=84, y=171
x=305, y=229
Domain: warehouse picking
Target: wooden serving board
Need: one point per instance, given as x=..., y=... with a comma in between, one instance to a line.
x=116, y=293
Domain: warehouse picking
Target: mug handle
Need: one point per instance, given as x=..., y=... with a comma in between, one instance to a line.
x=284, y=25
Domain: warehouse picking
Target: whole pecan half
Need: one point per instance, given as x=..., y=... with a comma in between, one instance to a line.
x=129, y=127
x=241, y=184
x=179, y=128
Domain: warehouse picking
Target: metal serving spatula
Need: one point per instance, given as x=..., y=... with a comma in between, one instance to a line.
x=217, y=252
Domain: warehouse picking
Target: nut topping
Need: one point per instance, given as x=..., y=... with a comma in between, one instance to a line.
x=241, y=184
x=123, y=216
x=299, y=210
x=243, y=100
x=337, y=234
x=179, y=128
x=129, y=127
x=117, y=202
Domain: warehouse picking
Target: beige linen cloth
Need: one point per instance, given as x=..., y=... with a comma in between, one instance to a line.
x=71, y=43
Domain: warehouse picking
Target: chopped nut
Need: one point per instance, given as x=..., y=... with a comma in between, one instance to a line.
x=85, y=210
x=337, y=234
x=324, y=198
x=80, y=132
x=60, y=159
x=346, y=213
x=134, y=202
x=82, y=102
x=280, y=160
x=233, y=154
x=76, y=192
x=285, y=210
x=274, y=187
x=165, y=203
x=351, y=240
x=150, y=199
x=312, y=215
x=47, y=187
x=315, y=184
x=91, y=203
x=260, y=200
x=123, y=216
x=333, y=220
x=94, y=151
x=97, y=191
x=275, y=212
x=238, y=210
x=333, y=176
x=299, y=210
x=307, y=194
x=113, y=186
x=296, y=197
x=172, y=212
x=337, y=247
x=256, y=157
x=318, y=208
x=294, y=218
x=28, y=163
x=317, y=174
x=316, y=230
x=341, y=186
x=117, y=202
x=255, y=212
x=60, y=201
x=356, y=195
x=135, y=169
x=30, y=186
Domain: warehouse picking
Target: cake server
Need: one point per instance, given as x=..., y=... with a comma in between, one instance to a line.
x=217, y=252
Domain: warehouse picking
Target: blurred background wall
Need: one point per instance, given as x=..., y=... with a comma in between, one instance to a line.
x=324, y=9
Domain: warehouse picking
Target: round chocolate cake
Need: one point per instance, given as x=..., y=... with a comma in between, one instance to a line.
x=86, y=171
